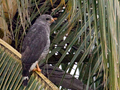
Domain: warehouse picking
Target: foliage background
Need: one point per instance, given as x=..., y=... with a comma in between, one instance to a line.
x=86, y=35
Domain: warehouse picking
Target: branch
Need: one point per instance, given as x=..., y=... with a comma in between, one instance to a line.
x=68, y=82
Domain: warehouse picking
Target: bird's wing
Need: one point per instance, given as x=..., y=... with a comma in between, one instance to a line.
x=34, y=43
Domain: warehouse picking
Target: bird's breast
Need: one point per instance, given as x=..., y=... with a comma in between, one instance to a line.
x=45, y=51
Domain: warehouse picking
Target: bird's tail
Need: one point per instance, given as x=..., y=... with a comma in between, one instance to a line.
x=25, y=74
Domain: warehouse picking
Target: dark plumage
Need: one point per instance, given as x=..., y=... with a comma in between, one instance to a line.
x=35, y=45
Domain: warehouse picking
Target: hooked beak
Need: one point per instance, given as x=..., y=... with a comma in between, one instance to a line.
x=53, y=20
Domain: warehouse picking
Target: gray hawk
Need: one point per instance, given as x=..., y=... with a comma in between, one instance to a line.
x=35, y=45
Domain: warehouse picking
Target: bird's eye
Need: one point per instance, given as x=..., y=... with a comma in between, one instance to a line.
x=47, y=18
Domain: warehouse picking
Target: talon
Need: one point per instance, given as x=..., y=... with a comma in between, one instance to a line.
x=37, y=69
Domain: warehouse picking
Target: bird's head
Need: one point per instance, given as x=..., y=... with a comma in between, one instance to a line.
x=47, y=18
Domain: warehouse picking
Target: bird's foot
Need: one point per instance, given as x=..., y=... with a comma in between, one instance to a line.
x=37, y=69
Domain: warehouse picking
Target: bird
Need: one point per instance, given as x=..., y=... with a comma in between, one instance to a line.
x=36, y=45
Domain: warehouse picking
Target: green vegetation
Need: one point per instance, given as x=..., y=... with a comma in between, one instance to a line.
x=86, y=34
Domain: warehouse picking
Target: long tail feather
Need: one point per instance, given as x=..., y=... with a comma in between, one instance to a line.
x=25, y=80
x=25, y=73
